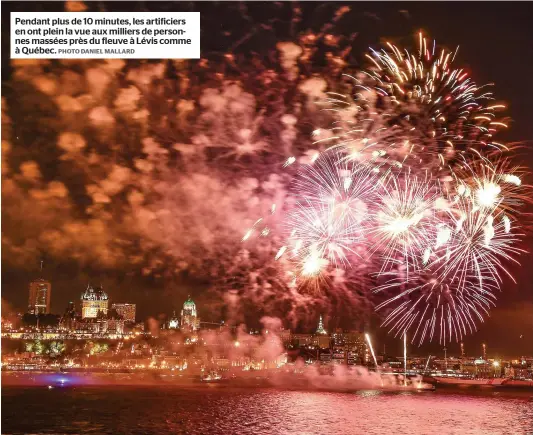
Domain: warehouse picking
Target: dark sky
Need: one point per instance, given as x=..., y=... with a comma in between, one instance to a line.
x=496, y=43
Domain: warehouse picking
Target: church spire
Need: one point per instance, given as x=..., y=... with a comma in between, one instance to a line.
x=320, y=330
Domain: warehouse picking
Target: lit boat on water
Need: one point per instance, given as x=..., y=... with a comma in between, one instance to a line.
x=483, y=382
x=518, y=383
x=450, y=380
x=422, y=386
x=211, y=377
x=411, y=385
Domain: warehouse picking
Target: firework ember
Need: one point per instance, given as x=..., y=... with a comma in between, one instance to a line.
x=410, y=182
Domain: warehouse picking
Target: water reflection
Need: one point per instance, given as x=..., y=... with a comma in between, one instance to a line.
x=225, y=410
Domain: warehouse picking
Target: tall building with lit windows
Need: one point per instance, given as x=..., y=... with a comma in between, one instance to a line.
x=93, y=301
x=39, y=300
x=40, y=294
x=189, y=318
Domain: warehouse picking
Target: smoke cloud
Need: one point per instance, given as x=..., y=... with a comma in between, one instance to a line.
x=158, y=167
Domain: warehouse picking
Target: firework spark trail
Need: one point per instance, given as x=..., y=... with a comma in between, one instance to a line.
x=405, y=221
x=412, y=183
x=405, y=358
x=420, y=98
x=371, y=350
x=329, y=218
x=459, y=279
x=427, y=303
x=479, y=244
x=491, y=184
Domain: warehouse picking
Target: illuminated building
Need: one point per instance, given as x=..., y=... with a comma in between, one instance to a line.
x=68, y=320
x=89, y=325
x=71, y=308
x=110, y=323
x=320, y=330
x=39, y=300
x=353, y=341
x=6, y=324
x=115, y=322
x=137, y=328
x=302, y=340
x=127, y=311
x=322, y=341
x=93, y=301
x=189, y=319
x=174, y=322
x=40, y=293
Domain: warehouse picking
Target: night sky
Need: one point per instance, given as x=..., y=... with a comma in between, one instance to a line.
x=96, y=237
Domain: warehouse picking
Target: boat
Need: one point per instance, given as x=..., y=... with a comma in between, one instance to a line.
x=411, y=385
x=422, y=386
x=449, y=380
x=212, y=376
x=509, y=382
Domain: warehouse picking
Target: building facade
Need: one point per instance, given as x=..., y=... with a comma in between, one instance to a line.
x=127, y=311
x=39, y=299
x=93, y=301
x=110, y=323
x=68, y=319
x=114, y=322
x=174, y=322
x=320, y=330
x=189, y=318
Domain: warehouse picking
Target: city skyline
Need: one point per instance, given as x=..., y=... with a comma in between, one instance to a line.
x=188, y=321
x=473, y=342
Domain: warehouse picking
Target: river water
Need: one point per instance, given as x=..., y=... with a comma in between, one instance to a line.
x=220, y=409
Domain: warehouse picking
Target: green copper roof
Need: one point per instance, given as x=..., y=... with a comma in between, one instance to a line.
x=189, y=303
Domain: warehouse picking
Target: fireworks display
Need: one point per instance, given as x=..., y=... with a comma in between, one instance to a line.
x=409, y=182
x=269, y=178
